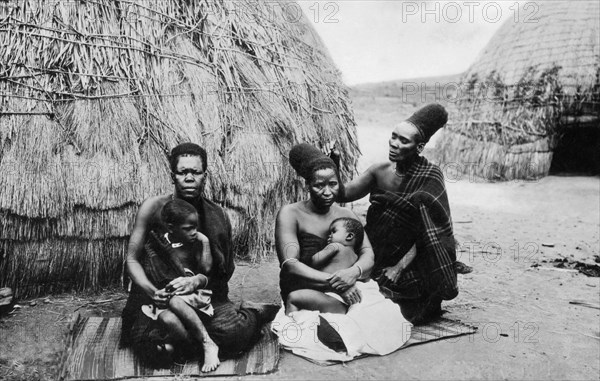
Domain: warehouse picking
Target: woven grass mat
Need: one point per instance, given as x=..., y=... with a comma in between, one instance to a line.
x=93, y=353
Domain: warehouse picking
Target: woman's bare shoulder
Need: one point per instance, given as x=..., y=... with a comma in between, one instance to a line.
x=289, y=211
x=380, y=167
x=291, y=208
x=153, y=203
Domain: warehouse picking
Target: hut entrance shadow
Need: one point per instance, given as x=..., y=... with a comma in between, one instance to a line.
x=577, y=152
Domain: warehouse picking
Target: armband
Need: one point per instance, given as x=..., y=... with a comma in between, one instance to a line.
x=205, y=278
x=291, y=260
x=360, y=271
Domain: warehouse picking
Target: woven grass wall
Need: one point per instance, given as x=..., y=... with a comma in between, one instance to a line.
x=93, y=94
x=535, y=78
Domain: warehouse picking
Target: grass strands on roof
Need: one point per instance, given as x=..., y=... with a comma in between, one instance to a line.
x=93, y=94
x=531, y=82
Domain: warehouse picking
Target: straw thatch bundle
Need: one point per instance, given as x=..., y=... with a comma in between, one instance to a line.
x=538, y=77
x=95, y=93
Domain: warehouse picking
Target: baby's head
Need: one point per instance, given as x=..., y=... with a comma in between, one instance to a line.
x=346, y=231
x=181, y=219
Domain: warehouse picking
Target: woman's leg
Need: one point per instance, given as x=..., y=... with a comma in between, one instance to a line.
x=235, y=329
x=174, y=326
x=314, y=300
x=416, y=306
x=292, y=301
x=421, y=311
x=197, y=331
x=176, y=331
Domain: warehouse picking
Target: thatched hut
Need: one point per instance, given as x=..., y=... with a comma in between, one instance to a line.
x=93, y=94
x=531, y=101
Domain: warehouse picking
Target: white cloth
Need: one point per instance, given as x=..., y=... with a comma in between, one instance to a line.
x=336, y=297
x=374, y=326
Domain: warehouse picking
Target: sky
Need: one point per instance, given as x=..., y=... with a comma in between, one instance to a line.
x=377, y=40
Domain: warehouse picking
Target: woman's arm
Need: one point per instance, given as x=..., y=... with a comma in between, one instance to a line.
x=136, y=245
x=288, y=251
x=358, y=188
x=366, y=259
x=393, y=272
x=204, y=260
x=204, y=257
x=184, y=285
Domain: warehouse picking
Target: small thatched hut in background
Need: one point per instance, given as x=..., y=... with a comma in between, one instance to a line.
x=531, y=101
x=93, y=94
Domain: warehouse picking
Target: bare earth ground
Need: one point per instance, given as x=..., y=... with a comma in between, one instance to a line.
x=510, y=233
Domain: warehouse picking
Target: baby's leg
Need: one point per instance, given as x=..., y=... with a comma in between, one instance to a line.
x=198, y=332
x=307, y=299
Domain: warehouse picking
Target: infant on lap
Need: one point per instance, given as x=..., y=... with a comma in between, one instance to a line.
x=345, y=236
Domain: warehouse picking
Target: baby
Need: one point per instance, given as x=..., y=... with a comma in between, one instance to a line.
x=345, y=235
x=187, y=249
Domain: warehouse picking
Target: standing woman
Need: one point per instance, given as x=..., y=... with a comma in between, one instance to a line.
x=409, y=220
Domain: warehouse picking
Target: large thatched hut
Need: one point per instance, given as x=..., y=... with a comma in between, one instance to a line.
x=93, y=94
x=531, y=101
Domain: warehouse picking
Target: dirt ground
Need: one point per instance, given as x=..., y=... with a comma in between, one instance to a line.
x=535, y=320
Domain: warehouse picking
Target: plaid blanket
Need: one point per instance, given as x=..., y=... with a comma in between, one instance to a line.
x=418, y=213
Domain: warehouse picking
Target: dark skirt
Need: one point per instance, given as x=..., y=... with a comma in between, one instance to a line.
x=232, y=328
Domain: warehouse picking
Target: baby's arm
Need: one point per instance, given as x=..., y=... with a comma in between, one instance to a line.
x=322, y=257
x=187, y=284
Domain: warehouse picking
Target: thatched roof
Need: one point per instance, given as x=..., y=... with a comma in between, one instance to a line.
x=546, y=34
x=537, y=75
x=93, y=94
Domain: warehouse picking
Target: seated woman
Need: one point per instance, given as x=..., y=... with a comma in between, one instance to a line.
x=233, y=329
x=301, y=230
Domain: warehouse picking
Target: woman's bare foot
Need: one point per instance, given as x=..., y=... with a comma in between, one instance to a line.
x=211, y=356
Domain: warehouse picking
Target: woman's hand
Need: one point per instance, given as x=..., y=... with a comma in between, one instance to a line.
x=342, y=280
x=332, y=150
x=392, y=273
x=352, y=295
x=183, y=285
x=161, y=298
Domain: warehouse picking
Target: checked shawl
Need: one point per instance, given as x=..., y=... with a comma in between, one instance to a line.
x=418, y=213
